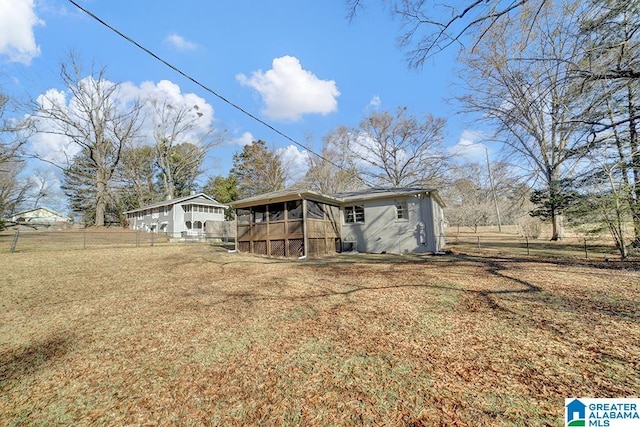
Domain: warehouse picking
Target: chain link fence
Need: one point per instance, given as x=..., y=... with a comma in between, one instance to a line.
x=78, y=239
x=588, y=248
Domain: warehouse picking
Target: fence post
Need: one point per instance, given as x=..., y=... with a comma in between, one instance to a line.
x=527, y=239
x=15, y=241
x=478, y=242
x=84, y=239
x=152, y=234
x=586, y=253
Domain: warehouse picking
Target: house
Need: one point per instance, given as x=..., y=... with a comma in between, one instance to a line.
x=40, y=217
x=294, y=223
x=193, y=215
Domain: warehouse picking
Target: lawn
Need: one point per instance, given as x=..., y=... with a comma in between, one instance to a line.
x=190, y=335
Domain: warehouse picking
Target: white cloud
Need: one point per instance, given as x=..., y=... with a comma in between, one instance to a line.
x=244, y=139
x=468, y=146
x=180, y=42
x=288, y=91
x=58, y=149
x=375, y=103
x=47, y=145
x=169, y=92
x=295, y=162
x=17, y=21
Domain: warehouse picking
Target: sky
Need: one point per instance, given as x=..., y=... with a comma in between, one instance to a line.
x=301, y=67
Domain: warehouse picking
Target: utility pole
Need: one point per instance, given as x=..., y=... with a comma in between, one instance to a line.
x=493, y=190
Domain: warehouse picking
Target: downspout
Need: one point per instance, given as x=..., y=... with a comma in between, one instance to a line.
x=305, y=239
x=422, y=226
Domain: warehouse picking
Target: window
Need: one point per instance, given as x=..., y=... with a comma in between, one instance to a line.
x=354, y=214
x=187, y=208
x=401, y=209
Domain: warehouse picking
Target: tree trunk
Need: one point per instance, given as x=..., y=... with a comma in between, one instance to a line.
x=101, y=198
x=557, y=227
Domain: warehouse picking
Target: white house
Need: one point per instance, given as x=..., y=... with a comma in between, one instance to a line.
x=193, y=215
x=40, y=217
x=294, y=223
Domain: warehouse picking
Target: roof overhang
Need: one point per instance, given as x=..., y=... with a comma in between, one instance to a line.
x=210, y=201
x=284, y=196
x=336, y=199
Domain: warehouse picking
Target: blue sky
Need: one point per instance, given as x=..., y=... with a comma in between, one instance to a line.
x=300, y=66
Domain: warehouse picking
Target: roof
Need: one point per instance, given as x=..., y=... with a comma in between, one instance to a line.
x=338, y=198
x=210, y=201
x=386, y=193
x=283, y=196
x=42, y=208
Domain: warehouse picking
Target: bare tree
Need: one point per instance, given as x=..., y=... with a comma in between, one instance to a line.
x=519, y=83
x=334, y=171
x=430, y=28
x=13, y=135
x=610, y=71
x=604, y=202
x=43, y=187
x=174, y=125
x=136, y=176
x=95, y=121
x=399, y=150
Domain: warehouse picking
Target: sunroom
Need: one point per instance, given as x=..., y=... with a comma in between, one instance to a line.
x=288, y=224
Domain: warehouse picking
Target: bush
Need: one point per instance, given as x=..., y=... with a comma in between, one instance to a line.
x=529, y=227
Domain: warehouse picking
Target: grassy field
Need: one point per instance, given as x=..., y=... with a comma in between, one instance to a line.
x=190, y=335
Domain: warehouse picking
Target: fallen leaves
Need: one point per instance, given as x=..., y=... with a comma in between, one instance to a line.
x=190, y=336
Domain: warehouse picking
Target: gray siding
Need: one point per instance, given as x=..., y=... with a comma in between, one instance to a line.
x=382, y=231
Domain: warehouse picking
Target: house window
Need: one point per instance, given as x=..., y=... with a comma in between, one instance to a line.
x=401, y=209
x=354, y=214
x=187, y=208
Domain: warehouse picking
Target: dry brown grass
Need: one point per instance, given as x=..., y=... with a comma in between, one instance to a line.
x=79, y=239
x=189, y=335
x=489, y=241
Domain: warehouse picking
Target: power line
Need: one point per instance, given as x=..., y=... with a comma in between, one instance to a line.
x=208, y=89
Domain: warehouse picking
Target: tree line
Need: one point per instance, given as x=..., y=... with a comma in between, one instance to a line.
x=553, y=83
x=556, y=85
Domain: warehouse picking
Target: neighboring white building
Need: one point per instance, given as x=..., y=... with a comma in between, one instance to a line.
x=294, y=223
x=40, y=217
x=193, y=215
